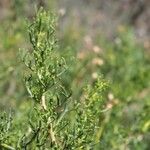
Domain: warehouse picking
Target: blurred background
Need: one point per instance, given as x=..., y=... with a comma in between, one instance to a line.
x=108, y=37
x=94, y=16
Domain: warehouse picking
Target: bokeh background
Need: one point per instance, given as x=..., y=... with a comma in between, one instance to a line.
x=107, y=37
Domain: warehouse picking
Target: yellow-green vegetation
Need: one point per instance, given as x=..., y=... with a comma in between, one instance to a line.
x=56, y=96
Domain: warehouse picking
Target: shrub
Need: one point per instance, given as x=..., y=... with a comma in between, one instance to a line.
x=56, y=120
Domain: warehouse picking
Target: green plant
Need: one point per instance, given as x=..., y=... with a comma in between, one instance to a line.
x=67, y=106
x=127, y=67
x=57, y=120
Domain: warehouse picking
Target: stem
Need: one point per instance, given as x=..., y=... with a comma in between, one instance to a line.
x=43, y=102
x=103, y=125
x=52, y=134
x=7, y=147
